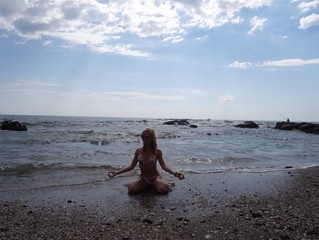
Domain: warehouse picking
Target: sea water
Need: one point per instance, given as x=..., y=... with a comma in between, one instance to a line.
x=77, y=150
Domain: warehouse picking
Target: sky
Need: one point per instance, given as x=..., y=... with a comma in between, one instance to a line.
x=200, y=59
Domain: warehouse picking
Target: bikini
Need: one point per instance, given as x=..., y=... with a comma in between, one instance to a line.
x=151, y=160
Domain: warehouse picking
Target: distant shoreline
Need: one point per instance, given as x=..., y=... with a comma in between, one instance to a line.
x=155, y=118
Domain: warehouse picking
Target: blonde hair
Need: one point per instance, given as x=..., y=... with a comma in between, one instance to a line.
x=153, y=139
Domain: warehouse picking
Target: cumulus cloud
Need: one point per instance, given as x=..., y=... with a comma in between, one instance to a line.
x=256, y=24
x=308, y=6
x=290, y=62
x=225, y=98
x=312, y=18
x=309, y=21
x=117, y=26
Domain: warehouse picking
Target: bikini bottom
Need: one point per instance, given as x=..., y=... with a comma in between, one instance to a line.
x=149, y=180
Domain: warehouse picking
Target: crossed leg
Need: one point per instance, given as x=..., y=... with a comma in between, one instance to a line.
x=137, y=186
x=158, y=185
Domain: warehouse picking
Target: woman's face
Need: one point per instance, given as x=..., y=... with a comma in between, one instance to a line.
x=146, y=136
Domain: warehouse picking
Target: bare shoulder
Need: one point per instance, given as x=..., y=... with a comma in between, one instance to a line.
x=138, y=151
x=159, y=153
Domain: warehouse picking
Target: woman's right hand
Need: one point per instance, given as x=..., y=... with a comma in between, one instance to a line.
x=180, y=176
x=111, y=174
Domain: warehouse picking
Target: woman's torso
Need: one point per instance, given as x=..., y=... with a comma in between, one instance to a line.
x=147, y=162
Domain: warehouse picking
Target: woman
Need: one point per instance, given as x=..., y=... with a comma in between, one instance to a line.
x=147, y=157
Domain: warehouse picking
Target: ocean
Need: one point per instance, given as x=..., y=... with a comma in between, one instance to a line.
x=59, y=151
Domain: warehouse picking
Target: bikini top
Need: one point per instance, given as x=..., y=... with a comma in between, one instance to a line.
x=152, y=159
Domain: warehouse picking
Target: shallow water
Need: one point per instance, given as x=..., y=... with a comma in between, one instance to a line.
x=71, y=150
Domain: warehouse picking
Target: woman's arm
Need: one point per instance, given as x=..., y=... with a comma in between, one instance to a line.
x=167, y=168
x=128, y=168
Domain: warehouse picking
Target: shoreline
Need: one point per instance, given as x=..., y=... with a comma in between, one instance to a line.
x=273, y=205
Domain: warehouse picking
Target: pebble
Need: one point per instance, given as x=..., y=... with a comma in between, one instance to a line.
x=148, y=221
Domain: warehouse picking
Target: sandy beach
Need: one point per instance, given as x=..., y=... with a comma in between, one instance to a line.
x=233, y=205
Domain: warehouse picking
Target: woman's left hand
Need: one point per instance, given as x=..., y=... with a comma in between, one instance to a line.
x=111, y=174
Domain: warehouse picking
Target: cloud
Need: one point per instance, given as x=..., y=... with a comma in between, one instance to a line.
x=237, y=64
x=193, y=93
x=225, y=98
x=308, y=6
x=290, y=62
x=309, y=21
x=119, y=26
x=3, y=36
x=256, y=24
x=202, y=38
x=42, y=89
x=47, y=43
x=140, y=96
x=34, y=84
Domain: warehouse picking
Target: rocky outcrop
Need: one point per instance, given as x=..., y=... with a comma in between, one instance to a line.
x=303, y=126
x=247, y=124
x=13, y=126
x=181, y=122
x=177, y=122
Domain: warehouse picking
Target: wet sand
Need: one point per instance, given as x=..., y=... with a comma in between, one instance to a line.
x=273, y=205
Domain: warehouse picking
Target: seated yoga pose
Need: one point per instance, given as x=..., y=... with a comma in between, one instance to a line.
x=147, y=158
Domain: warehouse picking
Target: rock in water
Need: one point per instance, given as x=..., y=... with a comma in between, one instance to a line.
x=177, y=122
x=13, y=126
x=247, y=124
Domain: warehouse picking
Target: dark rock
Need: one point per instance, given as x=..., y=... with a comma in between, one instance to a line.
x=279, y=124
x=303, y=126
x=315, y=130
x=147, y=221
x=180, y=122
x=299, y=125
x=308, y=128
x=181, y=219
x=177, y=122
x=288, y=126
x=247, y=124
x=13, y=126
x=255, y=214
